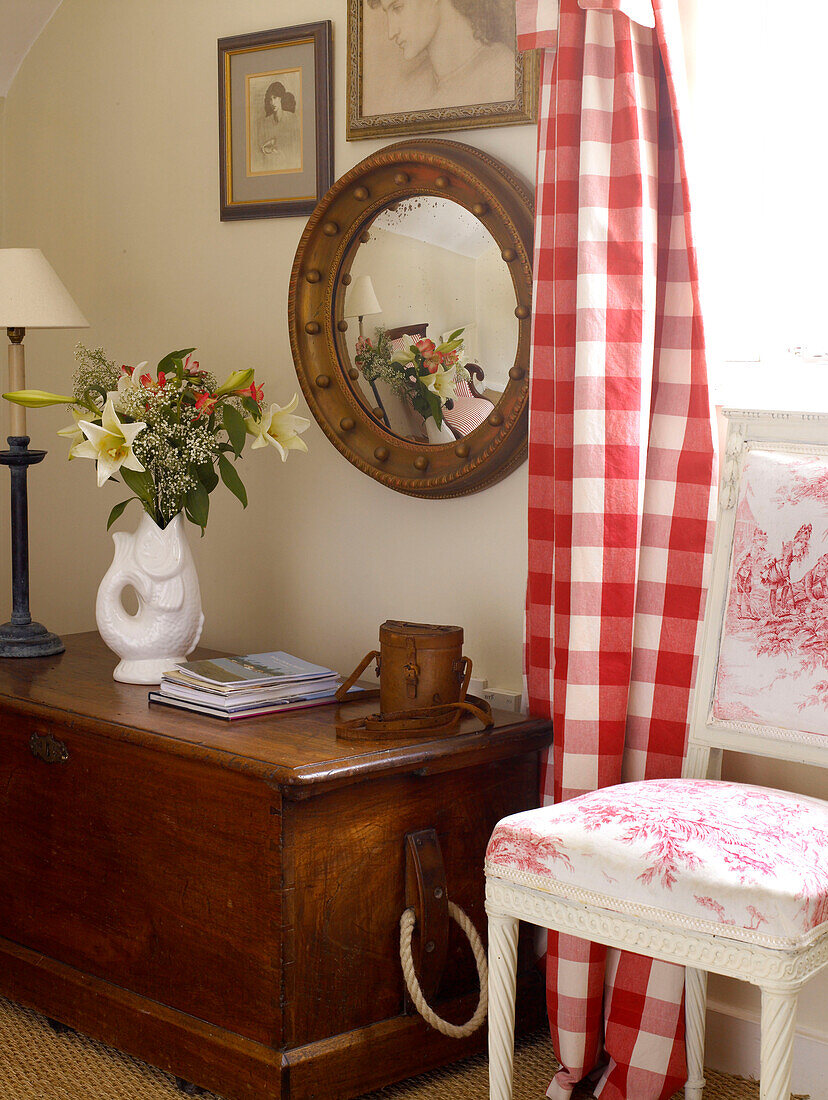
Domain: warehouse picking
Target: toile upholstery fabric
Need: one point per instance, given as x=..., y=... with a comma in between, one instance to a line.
x=621, y=473
x=733, y=860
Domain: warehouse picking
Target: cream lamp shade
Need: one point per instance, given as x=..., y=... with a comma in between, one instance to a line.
x=361, y=298
x=31, y=294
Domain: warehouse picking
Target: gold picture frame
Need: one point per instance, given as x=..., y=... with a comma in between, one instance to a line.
x=394, y=60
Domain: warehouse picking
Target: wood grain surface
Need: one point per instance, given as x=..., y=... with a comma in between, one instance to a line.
x=296, y=750
x=223, y=900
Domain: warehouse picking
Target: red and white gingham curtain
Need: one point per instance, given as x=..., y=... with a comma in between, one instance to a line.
x=621, y=469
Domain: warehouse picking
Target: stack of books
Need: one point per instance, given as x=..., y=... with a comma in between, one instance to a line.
x=242, y=687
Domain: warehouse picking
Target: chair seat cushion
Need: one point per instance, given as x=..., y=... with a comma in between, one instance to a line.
x=468, y=413
x=745, y=862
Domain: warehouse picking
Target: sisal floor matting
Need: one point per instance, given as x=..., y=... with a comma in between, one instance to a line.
x=38, y=1064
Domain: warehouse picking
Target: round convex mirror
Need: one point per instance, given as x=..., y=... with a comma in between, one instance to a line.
x=409, y=314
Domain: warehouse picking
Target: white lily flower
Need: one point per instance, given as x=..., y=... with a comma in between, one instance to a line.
x=73, y=431
x=129, y=380
x=442, y=383
x=109, y=443
x=405, y=355
x=126, y=381
x=280, y=428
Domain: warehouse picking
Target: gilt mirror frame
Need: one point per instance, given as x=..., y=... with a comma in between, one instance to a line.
x=321, y=274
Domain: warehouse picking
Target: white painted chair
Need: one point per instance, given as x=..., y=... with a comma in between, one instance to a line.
x=714, y=876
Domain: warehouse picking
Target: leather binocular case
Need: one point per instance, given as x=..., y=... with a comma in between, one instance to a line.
x=424, y=679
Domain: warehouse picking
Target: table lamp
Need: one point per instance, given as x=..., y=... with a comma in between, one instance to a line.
x=361, y=300
x=31, y=296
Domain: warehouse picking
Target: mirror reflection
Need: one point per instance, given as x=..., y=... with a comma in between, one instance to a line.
x=435, y=333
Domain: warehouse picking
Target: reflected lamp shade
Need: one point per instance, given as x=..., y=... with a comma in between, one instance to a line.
x=31, y=294
x=361, y=299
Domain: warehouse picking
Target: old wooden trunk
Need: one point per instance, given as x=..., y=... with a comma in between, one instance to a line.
x=223, y=900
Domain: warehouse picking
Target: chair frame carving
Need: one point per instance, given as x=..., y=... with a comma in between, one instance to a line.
x=321, y=273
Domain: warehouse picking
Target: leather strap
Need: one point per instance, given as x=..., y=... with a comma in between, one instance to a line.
x=442, y=719
x=355, y=675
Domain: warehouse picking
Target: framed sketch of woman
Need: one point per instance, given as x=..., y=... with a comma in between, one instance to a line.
x=420, y=65
x=275, y=121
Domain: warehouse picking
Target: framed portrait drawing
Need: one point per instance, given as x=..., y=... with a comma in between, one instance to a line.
x=275, y=131
x=416, y=66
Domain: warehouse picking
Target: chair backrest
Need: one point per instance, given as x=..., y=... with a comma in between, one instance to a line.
x=418, y=331
x=762, y=684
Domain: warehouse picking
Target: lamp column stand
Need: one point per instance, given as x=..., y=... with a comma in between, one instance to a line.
x=375, y=391
x=20, y=637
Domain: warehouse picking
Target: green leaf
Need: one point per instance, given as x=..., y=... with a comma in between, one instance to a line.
x=234, y=426
x=435, y=406
x=169, y=361
x=207, y=475
x=232, y=480
x=251, y=406
x=141, y=484
x=454, y=335
x=197, y=505
x=449, y=345
x=117, y=512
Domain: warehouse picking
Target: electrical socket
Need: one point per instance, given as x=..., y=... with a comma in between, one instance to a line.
x=503, y=700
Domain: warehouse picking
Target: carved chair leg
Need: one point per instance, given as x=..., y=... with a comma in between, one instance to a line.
x=695, y=1008
x=503, y=937
x=778, y=1025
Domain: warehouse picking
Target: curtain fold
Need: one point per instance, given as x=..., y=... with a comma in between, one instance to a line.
x=621, y=469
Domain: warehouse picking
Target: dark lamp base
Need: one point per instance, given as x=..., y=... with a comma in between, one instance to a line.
x=28, y=640
x=20, y=637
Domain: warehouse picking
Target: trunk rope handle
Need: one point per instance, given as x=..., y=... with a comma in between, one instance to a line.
x=454, y=1031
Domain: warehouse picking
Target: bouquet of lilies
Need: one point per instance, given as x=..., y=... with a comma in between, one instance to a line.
x=431, y=373
x=171, y=435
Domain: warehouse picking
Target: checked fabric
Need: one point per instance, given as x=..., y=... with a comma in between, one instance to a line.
x=621, y=472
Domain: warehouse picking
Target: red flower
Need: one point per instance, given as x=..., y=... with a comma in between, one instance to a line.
x=191, y=368
x=146, y=380
x=205, y=403
x=126, y=369
x=425, y=348
x=162, y=378
x=254, y=391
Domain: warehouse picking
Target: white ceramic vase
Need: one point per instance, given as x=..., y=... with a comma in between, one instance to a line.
x=166, y=628
x=443, y=434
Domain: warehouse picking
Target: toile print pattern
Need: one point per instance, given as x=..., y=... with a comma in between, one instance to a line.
x=748, y=857
x=773, y=659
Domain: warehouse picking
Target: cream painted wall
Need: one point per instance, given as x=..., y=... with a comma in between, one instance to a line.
x=497, y=328
x=415, y=282
x=111, y=141
x=110, y=161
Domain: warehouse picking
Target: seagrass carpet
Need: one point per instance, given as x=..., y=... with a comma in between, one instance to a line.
x=38, y=1064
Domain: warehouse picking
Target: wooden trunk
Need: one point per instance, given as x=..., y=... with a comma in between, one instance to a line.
x=223, y=899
